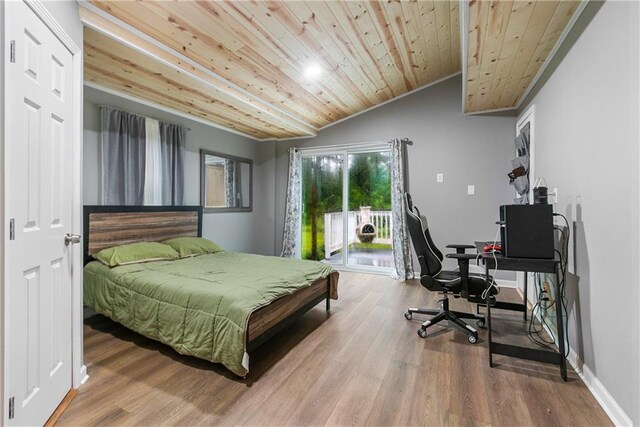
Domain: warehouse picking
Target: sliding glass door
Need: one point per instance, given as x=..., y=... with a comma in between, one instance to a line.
x=322, y=200
x=369, y=213
x=346, y=208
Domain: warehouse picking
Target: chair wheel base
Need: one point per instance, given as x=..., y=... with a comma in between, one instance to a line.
x=480, y=324
x=422, y=333
x=472, y=339
x=408, y=315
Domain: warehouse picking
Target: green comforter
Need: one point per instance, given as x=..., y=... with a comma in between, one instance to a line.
x=200, y=306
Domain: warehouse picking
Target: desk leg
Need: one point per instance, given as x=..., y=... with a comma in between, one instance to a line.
x=488, y=314
x=526, y=307
x=560, y=326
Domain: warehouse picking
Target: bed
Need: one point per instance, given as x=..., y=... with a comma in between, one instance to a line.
x=219, y=307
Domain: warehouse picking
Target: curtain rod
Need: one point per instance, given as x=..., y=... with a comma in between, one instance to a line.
x=142, y=115
x=372, y=144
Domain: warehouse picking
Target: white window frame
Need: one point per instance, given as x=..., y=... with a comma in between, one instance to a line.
x=344, y=150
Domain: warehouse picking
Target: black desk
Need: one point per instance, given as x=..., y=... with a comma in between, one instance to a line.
x=533, y=265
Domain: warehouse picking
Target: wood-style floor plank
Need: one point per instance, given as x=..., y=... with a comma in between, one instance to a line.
x=360, y=364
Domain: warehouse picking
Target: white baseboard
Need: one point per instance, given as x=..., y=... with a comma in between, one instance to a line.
x=83, y=375
x=599, y=391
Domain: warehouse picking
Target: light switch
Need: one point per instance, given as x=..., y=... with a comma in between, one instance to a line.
x=471, y=190
x=439, y=177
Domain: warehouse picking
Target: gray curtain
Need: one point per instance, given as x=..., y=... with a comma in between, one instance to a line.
x=293, y=206
x=172, y=143
x=402, y=255
x=123, y=157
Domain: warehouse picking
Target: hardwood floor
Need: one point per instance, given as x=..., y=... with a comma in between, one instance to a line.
x=362, y=364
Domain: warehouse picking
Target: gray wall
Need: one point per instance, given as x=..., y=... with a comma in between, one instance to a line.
x=586, y=126
x=239, y=231
x=468, y=150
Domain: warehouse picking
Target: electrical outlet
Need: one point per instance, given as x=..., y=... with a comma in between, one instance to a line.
x=439, y=177
x=471, y=190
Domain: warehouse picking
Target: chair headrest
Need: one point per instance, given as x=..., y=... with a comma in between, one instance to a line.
x=415, y=212
x=408, y=201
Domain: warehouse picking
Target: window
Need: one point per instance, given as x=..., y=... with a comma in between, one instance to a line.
x=226, y=182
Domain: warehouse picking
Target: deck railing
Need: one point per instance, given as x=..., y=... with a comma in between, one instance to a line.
x=333, y=229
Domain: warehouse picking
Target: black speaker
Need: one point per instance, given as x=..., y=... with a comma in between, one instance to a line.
x=527, y=231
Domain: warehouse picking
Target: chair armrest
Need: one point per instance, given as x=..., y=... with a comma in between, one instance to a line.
x=460, y=249
x=463, y=266
x=462, y=256
x=454, y=246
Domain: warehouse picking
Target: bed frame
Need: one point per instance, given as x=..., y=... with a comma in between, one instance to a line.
x=106, y=226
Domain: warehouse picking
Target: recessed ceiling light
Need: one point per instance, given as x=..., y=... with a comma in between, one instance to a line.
x=313, y=71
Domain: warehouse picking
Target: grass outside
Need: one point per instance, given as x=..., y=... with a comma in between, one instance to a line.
x=306, y=241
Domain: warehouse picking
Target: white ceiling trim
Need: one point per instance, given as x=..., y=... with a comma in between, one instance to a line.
x=168, y=110
x=226, y=86
x=289, y=138
x=495, y=110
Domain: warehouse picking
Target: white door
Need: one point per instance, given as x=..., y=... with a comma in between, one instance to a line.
x=39, y=192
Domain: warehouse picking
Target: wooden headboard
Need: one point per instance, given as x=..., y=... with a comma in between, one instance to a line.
x=107, y=226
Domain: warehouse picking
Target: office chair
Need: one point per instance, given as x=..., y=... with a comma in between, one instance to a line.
x=459, y=283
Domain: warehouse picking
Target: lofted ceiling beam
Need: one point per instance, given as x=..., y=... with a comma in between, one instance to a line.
x=112, y=27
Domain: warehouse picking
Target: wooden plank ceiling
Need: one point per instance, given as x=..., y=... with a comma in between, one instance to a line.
x=507, y=44
x=242, y=64
x=113, y=65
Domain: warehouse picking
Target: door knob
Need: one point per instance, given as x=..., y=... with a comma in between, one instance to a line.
x=71, y=239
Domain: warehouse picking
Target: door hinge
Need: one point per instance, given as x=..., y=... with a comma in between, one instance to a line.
x=12, y=407
x=12, y=229
x=12, y=51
